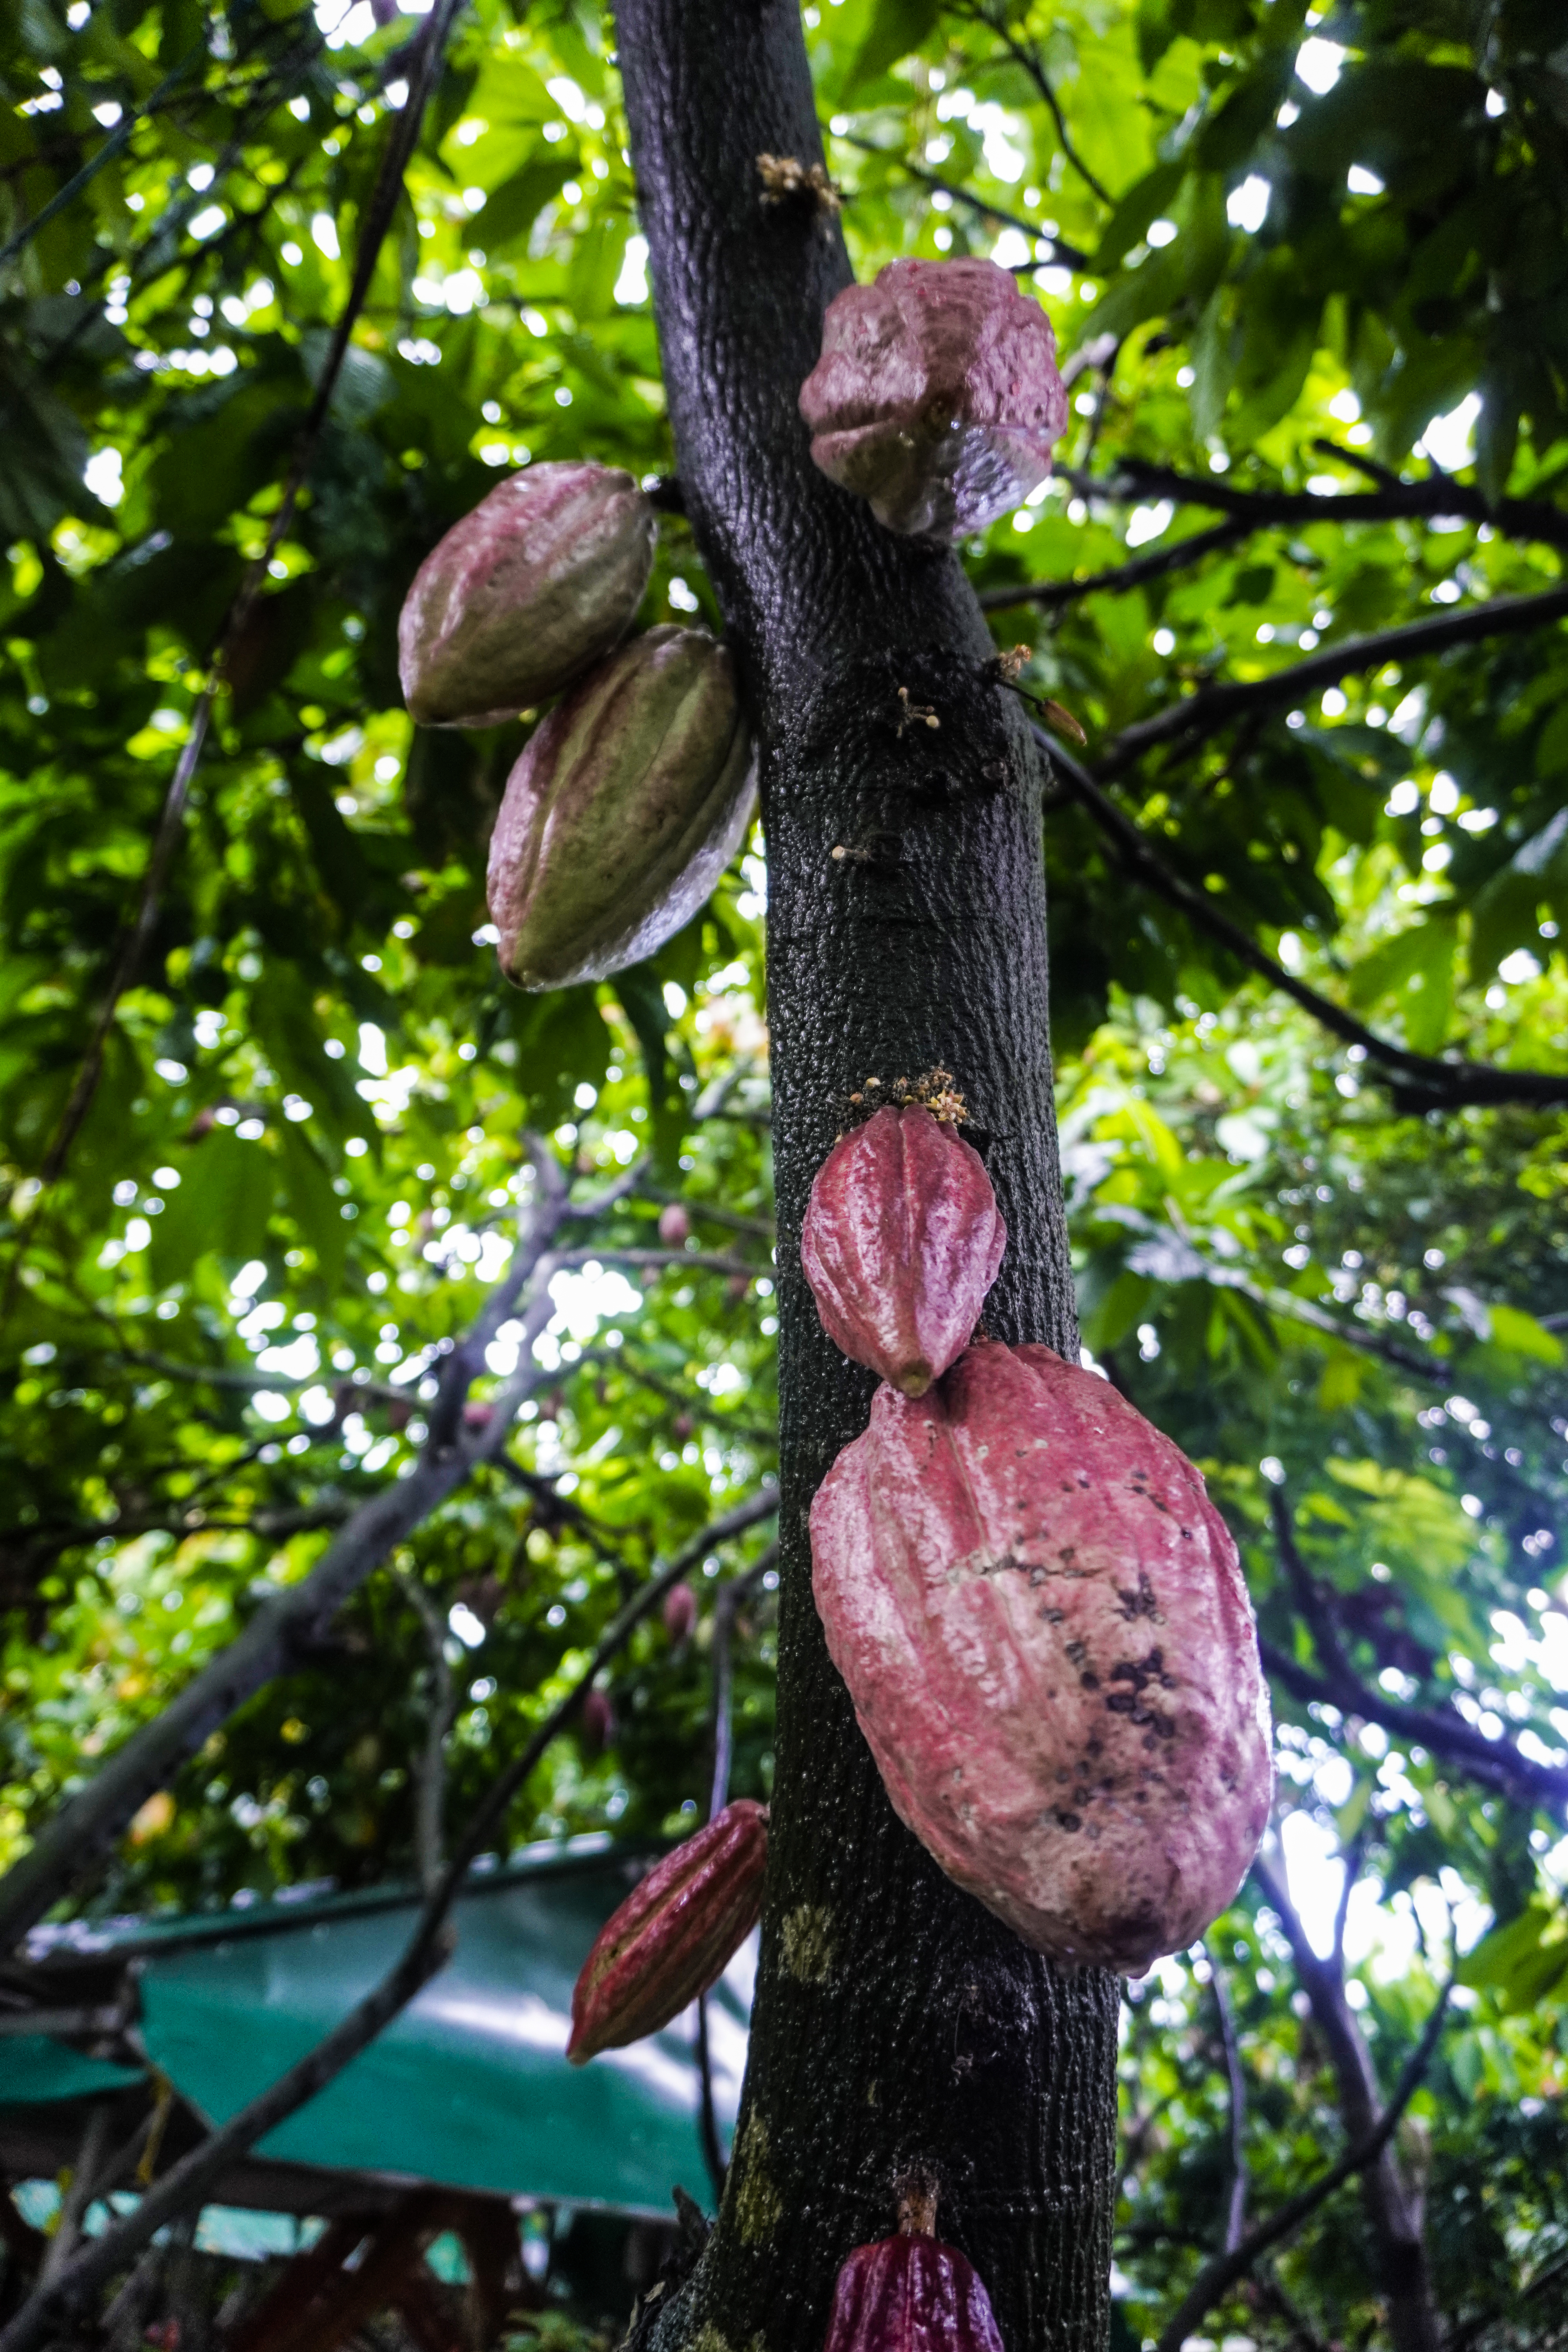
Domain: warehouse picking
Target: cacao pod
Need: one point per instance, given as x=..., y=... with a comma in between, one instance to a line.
x=674, y=1225
x=598, y=1719
x=674, y=1935
x=910, y=2294
x=679, y=1612
x=937, y=396
x=524, y=594
x=1042, y=1621
x=628, y=802
x=901, y=1241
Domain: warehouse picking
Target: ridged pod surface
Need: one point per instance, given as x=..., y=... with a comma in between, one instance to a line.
x=674, y=1935
x=525, y=593
x=937, y=396
x=1042, y=1621
x=902, y=1241
x=628, y=802
x=911, y=2294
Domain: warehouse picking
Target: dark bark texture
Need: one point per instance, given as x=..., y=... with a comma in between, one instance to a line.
x=897, y=2022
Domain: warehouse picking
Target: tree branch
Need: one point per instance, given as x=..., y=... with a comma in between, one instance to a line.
x=1220, y=2274
x=1071, y=254
x=1134, y=481
x=382, y=204
x=1418, y=1082
x=284, y=1627
x=1235, y=2202
x=1496, y=1763
x=1051, y=594
x=1024, y=53
x=1213, y=706
x=186, y=2184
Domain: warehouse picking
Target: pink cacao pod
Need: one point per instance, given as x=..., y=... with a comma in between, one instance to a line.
x=598, y=1719
x=674, y=1225
x=911, y=2294
x=679, y=1612
x=901, y=1241
x=937, y=396
x=1042, y=1623
x=628, y=802
x=524, y=594
x=674, y=1936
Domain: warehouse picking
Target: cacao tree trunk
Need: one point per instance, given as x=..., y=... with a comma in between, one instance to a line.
x=897, y=2022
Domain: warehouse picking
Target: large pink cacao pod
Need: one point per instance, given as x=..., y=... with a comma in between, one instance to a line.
x=937, y=396
x=674, y=1935
x=1042, y=1623
x=525, y=593
x=627, y=804
x=910, y=2294
x=901, y=1241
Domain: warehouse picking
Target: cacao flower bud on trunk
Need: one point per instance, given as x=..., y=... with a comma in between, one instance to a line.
x=1042, y=1623
x=901, y=1241
x=628, y=802
x=673, y=1936
x=911, y=2294
x=524, y=594
x=937, y=396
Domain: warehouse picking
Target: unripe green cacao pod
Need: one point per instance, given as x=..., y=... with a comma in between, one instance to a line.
x=524, y=594
x=628, y=802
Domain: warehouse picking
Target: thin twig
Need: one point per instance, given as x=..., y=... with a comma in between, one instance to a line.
x=1219, y=2275
x=1071, y=254
x=1051, y=594
x=283, y=1628
x=186, y=2184
x=1235, y=2202
x=1215, y=707
x=1420, y=1081
x=1134, y=480
x=430, y=1778
x=382, y=206
x=1024, y=53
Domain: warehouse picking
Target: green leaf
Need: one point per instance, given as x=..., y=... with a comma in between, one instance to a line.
x=223, y=1204
x=897, y=27
x=510, y=213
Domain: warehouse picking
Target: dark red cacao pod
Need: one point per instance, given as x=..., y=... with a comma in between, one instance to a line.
x=673, y=1936
x=901, y=1241
x=1042, y=1623
x=911, y=2294
x=937, y=396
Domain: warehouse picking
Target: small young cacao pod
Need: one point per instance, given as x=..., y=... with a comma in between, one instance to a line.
x=679, y=1612
x=911, y=2294
x=674, y=1225
x=628, y=802
x=937, y=396
x=674, y=1935
x=901, y=1241
x=1042, y=1623
x=524, y=594
x=598, y=1719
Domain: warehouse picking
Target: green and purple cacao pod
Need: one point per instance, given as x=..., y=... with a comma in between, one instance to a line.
x=524, y=594
x=674, y=1936
x=628, y=802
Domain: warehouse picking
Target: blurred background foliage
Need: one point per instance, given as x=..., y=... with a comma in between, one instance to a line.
x=1309, y=279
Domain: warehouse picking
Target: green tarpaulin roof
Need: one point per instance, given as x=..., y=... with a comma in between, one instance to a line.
x=470, y=2087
